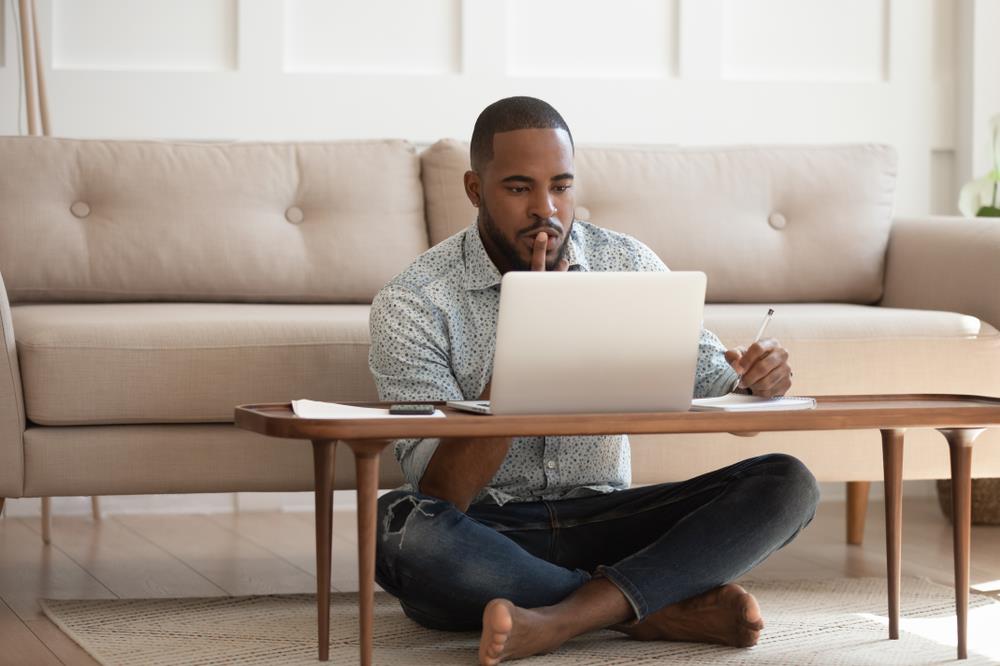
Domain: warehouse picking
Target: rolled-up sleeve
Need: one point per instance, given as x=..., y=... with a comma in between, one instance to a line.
x=713, y=375
x=409, y=360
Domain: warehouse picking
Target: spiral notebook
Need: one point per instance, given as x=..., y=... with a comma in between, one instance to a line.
x=316, y=409
x=737, y=402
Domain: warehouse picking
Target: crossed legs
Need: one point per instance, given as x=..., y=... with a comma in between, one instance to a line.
x=655, y=563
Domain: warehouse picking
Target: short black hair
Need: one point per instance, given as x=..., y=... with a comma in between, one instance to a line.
x=507, y=115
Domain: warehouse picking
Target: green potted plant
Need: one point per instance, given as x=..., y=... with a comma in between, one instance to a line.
x=979, y=199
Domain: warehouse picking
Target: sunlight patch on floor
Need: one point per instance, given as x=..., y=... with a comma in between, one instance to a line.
x=984, y=629
x=989, y=586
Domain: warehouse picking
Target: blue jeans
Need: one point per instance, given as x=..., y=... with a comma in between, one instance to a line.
x=658, y=544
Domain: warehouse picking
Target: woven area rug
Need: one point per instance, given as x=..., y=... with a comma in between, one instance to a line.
x=808, y=622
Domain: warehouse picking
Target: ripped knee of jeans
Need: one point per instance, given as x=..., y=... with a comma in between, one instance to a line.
x=399, y=514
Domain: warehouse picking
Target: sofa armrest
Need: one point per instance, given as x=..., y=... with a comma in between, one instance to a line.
x=12, y=418
x=945, y=263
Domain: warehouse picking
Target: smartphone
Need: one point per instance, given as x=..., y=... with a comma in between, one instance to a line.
x=411, y=409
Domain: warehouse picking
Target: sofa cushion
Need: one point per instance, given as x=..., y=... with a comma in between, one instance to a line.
x=855, y=349
x=779, y=224
x=173, y=362
x=238, y=222
x=185, y=362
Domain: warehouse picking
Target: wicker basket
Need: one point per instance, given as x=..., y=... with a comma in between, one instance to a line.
x=985, y=500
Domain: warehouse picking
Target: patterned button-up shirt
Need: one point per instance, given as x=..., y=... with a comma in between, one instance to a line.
x=433, y=334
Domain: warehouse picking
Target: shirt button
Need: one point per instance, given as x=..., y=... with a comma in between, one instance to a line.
x=551, y=464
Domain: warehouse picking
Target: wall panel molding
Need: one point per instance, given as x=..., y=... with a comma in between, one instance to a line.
x=632, y=39
x=3, y=32
x=260, y=38
x=151, y=35
x=943, y=195
x=700, y=39
x=484, y=38
x=815, y=40
x=373, y=37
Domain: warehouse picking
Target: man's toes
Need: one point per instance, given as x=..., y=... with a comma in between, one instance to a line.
x=491, y=655
x=753, y=631
x=493, y=651
x=498, y=616
x=498, y=622
x=751, y=610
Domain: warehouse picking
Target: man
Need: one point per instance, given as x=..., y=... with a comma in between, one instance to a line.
x=537, y=540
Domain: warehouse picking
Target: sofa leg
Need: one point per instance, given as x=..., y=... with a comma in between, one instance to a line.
x=2, y=500
x=857, y=506
x=95, y=507
x=46, y=520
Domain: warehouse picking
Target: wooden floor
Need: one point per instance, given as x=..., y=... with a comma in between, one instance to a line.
x=259, y=553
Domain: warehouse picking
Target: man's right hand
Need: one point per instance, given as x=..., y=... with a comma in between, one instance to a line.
x=538, y=254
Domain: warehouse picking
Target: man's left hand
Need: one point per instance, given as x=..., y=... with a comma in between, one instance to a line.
x=763, y=368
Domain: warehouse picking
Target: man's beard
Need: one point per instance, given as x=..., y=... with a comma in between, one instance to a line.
x=509, y=250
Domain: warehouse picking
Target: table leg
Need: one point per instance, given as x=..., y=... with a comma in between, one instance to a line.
x=892, y=470
x=324, y=458
x=857, y=507
x=366, y=458
x=960, y=444
x=46, y=520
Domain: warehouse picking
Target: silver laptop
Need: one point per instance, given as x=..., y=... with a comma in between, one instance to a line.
x=574, y=342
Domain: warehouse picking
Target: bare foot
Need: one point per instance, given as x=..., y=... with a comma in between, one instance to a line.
x=728, y=615
x=510, y=632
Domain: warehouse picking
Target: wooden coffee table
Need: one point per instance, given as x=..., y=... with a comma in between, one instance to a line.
x=960, y=418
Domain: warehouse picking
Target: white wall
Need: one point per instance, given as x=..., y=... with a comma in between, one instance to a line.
x=632, y=71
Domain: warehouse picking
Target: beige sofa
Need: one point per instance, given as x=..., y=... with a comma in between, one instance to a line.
x=150, y=287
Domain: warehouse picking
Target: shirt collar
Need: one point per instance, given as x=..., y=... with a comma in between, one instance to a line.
x=482, y=273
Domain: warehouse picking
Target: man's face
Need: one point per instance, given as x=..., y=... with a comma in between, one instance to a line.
x=527, y=187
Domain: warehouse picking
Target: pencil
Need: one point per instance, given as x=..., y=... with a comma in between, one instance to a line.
x=763, y=324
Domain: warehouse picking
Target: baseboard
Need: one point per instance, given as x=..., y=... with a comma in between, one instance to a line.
x=187, y=503
x=833, y=491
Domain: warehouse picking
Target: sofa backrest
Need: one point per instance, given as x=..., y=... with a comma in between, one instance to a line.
x=256, y=222
x=767, y=224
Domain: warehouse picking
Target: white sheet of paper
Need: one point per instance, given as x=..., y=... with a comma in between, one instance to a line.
x=315, y=409
x=737, y=402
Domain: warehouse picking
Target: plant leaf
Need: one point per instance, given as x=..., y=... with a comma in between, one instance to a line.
x=975, y=195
